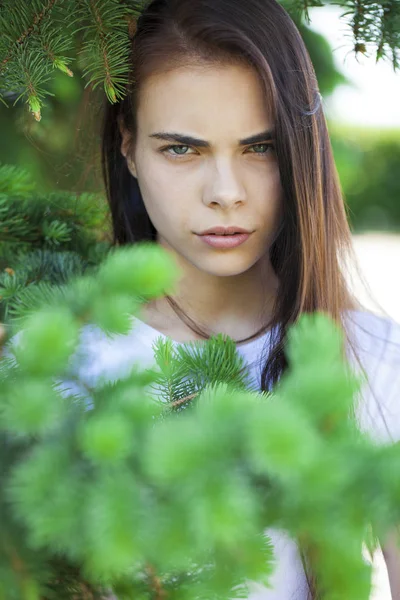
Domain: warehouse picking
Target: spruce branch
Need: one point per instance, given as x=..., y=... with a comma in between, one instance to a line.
x=55, y=46
x=32, y=45
x=14, y=181
x=30, y=77
x=36, y=20
x=45, y=239
x=389, y=31
x=185, y=370
x=152, y=503
x=371, y=23
x=105, y=48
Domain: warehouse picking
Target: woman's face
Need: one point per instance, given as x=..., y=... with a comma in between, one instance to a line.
x=222, y=179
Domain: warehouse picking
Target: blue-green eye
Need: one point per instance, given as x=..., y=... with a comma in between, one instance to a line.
x=179, y=147
x=182, y=150
x=265, y=148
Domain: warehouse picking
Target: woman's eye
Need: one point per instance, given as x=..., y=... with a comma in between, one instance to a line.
x=181, y=150
x=262, y=148
x=178, y=148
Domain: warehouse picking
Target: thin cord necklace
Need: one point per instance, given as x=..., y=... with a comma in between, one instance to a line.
x=196, y=329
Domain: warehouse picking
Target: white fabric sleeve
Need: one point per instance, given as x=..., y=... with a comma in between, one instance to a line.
x=378, y=344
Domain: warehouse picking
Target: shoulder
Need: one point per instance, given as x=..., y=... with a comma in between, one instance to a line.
x=102, y=356
x=112, y=356
x=375, y=335
x=376, y=341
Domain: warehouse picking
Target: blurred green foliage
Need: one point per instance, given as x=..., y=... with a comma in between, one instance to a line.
x=321, y=55
x=45, y=239
x=368, y=161
x=59, y=152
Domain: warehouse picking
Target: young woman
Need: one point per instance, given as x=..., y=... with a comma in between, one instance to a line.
x=220, y=153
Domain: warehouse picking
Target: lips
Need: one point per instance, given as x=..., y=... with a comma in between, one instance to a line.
x=225, y=242
x=219, y=230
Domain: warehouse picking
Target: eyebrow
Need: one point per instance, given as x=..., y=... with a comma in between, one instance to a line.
x=188, y=140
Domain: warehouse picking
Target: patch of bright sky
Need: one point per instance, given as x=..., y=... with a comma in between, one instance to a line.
x=373, y=98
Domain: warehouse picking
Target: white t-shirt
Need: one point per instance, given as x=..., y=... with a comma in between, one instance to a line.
x=378, y=344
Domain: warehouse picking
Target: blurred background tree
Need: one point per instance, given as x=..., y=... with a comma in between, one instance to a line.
x=368, y=161
x=45, y=239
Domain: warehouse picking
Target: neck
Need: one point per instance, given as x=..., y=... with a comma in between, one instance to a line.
x=237, y=306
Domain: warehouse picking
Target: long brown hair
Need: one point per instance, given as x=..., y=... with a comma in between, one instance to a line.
x=315, y=236
x=309, y=253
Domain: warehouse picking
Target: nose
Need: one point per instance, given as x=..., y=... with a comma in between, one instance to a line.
x=223, y=186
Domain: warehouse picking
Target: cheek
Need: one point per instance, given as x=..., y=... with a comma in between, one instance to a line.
x=166, y=196
x=269, y=197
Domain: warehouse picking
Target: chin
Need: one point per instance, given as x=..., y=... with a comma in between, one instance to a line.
x=224, y=266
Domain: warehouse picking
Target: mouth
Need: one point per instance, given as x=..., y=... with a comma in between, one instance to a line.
x=223, y=231
x=224, y=241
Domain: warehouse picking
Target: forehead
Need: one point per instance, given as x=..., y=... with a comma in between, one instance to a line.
x=208, y=100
